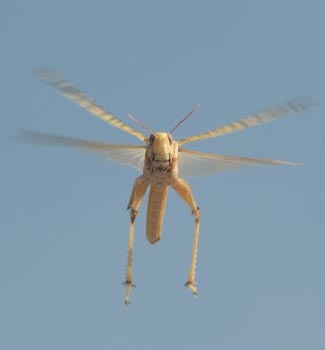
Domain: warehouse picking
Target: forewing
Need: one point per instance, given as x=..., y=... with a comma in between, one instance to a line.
x=78, y=97
x=124, y=154
x=192, y=163
x=284, y=109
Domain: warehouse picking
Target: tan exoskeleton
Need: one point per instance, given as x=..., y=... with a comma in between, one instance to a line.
x=162, y=162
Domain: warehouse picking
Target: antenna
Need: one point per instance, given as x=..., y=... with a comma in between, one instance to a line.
x=194, y=110
x=139, y=122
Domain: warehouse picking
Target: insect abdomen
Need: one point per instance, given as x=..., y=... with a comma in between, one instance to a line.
x=156, y=211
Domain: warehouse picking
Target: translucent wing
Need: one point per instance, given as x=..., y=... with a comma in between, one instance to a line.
x=192, y=163
x=125, y=154
x=284, y=109
x=78, y=97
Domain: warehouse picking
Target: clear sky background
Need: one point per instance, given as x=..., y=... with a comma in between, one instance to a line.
x=64, y=224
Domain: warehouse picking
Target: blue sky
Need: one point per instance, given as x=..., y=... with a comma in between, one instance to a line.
x=64, y=224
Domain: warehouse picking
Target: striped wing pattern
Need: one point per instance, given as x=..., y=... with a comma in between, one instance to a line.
x=190, y=163
x=72, y=93
x=284, y=109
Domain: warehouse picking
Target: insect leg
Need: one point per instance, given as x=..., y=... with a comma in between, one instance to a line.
x=185, y=192
x=138, y=191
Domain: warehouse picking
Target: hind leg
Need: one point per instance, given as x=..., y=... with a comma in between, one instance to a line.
x=138, y=191
x=185, y=192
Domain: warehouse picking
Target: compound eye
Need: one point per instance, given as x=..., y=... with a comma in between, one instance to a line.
x=152, y=138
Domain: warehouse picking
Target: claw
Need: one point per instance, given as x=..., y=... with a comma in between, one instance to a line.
x=192, y=287
x=128, y=283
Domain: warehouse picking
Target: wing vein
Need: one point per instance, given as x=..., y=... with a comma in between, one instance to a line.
x=125, y=154
x=77, y=96
x=284, y=109
x=193, y=163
